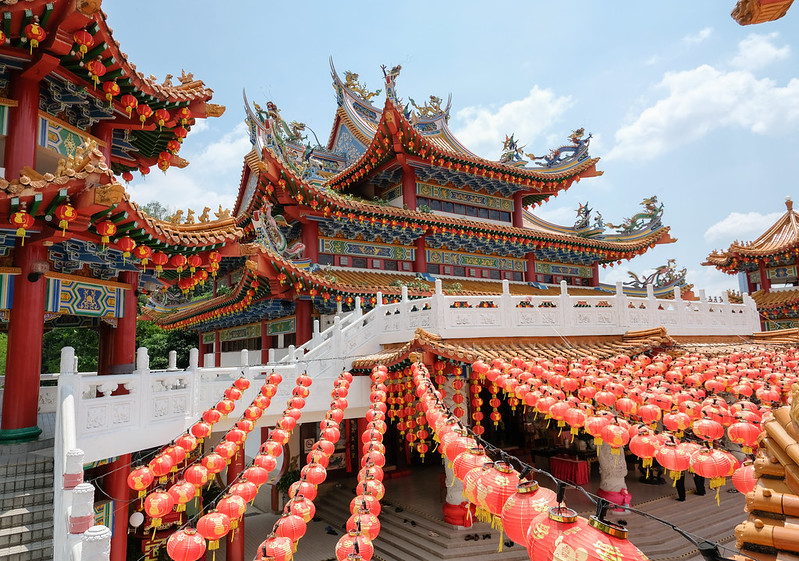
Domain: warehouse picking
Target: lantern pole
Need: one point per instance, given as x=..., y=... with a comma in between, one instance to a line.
x=235, y=545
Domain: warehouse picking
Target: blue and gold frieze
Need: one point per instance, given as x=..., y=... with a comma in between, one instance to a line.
x=7, y=288
x=79, y=298
x=463, y=197
x=281, y=326
x=439, y=257
x=363, y=249
x=546, y=268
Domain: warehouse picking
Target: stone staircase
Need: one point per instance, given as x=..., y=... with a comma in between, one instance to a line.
x=26, y=501
x=413, y=535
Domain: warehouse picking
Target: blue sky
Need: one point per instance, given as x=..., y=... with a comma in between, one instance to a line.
x=683, y=102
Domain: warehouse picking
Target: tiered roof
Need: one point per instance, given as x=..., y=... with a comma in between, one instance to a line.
x=73, y=91
x=748, y=12
x=778, y=244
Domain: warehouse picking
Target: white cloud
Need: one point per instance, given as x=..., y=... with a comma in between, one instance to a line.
x=698, y=37
x=757, y=51
x=563, y=215
x=211, y=179
x=483, y=129
x=741, y=227
x=702, y=100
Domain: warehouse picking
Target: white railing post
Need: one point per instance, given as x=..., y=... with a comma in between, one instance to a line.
x=567, y=313
x=96, y=544
x=172, y=361
x=271, y=358
x=316, y=333
x=652, y=306
x=405, y=316
x=144, y=386
x=81, y=517
x=438, y=303
x=506, y=306
x=194, y=359
x=68, y=361
x=337, y=340
x=244, y=357
x=620, y=303
x=358, y=311
x=679, y=309
x=73, y=468
x=142, y=359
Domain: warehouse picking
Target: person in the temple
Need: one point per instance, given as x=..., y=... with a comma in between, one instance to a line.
x=699, y=482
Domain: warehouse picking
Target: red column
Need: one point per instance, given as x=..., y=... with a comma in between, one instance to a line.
x=518, y=217
x=123, y=339
x=24, y=362
x=105, y=355
x=217, y=350
x=310, y=238
x=765, y=283
x=201, y=348
x=22, y=126
x=235, y=546
x=409, y=187
x=302, y=313
x=105, y=132
x=529, y=274
x=420, y=263
x=595, y=274
x=116, y=486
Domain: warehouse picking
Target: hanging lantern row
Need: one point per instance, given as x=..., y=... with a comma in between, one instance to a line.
x=232, y=308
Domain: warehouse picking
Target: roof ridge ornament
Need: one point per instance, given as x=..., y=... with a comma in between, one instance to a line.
x=648, y=218
x=789, y=203
x=391, y=80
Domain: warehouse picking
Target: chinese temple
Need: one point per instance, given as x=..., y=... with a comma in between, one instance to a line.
x=390, y=252
x=767, y=270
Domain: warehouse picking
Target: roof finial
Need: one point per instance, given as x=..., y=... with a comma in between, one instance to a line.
x=789, y=203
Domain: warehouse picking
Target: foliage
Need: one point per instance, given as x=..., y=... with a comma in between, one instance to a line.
x=86, y=343
x=159, y=342
x=415, y=283
x=158, y=211
x=286, y=480
x=425, y=209
x=454, y=288
x=3, y=347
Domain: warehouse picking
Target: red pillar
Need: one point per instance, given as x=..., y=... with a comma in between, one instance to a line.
x=595, y=274
x=420, y=263
x=201, y=348
x=409, y=187
x=302, y=313
x=765, y=283
x=105, y=356
x=24, y=362
x=22, y=126
x=123, y=338
x=217, y=349
x=116, y=486
x=105, y=132
x=529, y=274
x=235, y=546
x=265, y=343
x=310, y=238
x=123, y=358
x=518, y=208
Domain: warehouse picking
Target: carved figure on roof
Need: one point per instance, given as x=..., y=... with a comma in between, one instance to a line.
x=663, y=276
x=648, y=218
x=598, y=222
x=204, y=216
x=295, y=131
x=268, y=233
x=189, y=217
x=351, y=82
x=222, y=214
x=391, y=80
x=167, y=83
x=177, y=218
x=583, y=217
x=185, y=78
x=430, y=108
x=511, y=151
x=575, y=151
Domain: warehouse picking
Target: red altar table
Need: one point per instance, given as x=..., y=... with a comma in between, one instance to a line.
x=569, y=469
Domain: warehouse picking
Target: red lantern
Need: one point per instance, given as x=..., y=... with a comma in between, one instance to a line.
x=368, y=523
x=112, y=89
x=34, y=33
x=185, y=545
x=144, y=253
x=302, y=489
x=745, y=434
x=22, y=221
x=126, y=244
x=106, y=229
x=197, y=475
x=182, y=492
x=144, y=112
x=157, y=505
x=161, y=466
x=247, y=490
x=346, y=546
x=140, y=479
x=160, y=259
x=715, y=465
x=526, y=503
x=184, y=114
x=162, y=116
x=214, y=463
x=84, y=40
x=180, y=133
x=201, y=430
x=213, y=527
x=130, y=103
x=96, y=69
x=494, y=488
x=256, y=475
x=178, y=261
x=302, y=507
x=291, y=526
x=234, y=507
x=278, y=548
x=708, y=429
x=744, y=478
x=226, y=406
x=65, y=213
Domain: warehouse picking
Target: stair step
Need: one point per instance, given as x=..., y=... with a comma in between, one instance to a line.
x=19, y=483
x=26, y=515
x=27, y=464
x=42, y=549
x=25, y=534
x=13, y=500
x=26, y=447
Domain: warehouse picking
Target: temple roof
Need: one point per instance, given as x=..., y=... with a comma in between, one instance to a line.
x=66, y=24
x=469, y=350
x=748, y=12
x=782, y=237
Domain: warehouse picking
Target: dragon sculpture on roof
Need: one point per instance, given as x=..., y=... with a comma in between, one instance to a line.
x=648, y=218
x=663, y=276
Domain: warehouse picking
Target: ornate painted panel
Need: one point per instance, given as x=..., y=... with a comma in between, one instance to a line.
x=346, y=247
x=546, y=268
x=463, y=197
x=77, y=298
x=281, y=326
x=440, y=257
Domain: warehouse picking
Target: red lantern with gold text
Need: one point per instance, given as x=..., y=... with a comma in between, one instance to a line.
x=126, y=244
x=140, y=479
x=161, y=465
x=363, y=503
x=201, y=430
x=526, y=503
x=197, y=475
x=157, y=505
x=302, y=507
x=184, y=114
x=370, y=525
x=106, y=229
x=277, y=548
x=493, y=490
x=65, y=213
x=182, y=492
x=715, y=465
x=247, y=490
x=213, y=527
x=353, y=543
x=162, y=116
x=84, y=40
x=291, y=526
x=214, y=463
x=144, y=112
x=302, y=489
x=234, y=507
x=143, y=253
x=185, y=545
x=112, y=89
x=34, y=33
x=22, y=221
x=130, y=103
x=178, y=261
x=96, y=69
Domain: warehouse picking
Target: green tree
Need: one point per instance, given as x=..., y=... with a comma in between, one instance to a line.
x=85, y=341
x=3, y=350
x=158, y=211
